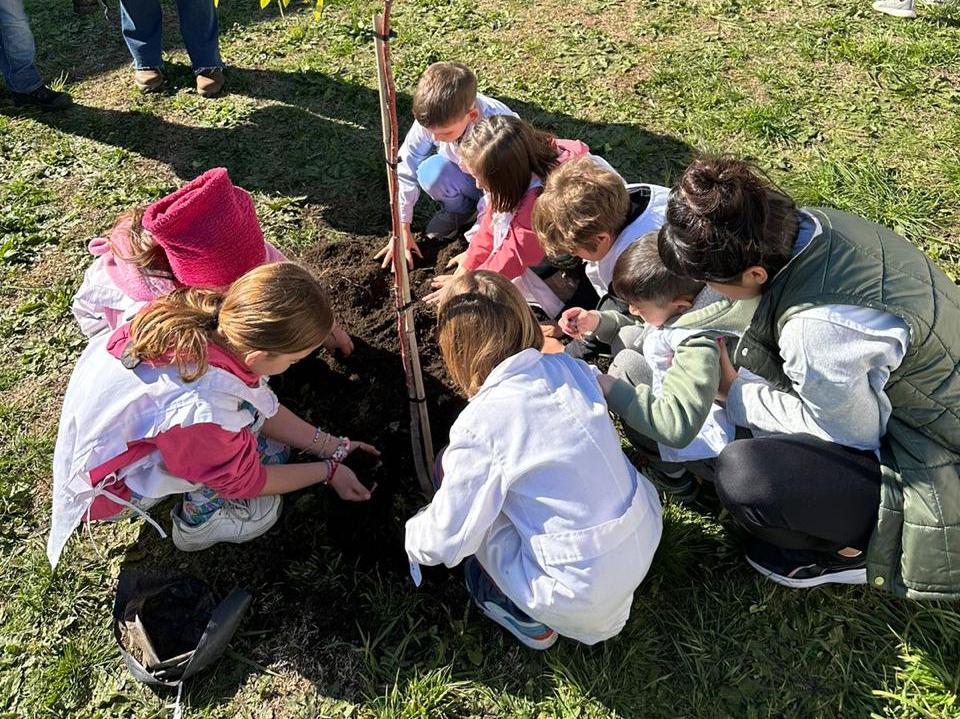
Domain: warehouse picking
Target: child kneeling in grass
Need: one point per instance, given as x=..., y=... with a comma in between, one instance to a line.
x=204, y=235
x=555, y=527
x=511, y=160
x=663, y=383
x=175, y=402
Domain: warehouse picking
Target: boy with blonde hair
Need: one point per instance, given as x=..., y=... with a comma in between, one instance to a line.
x=446, y=106
x=586, y=211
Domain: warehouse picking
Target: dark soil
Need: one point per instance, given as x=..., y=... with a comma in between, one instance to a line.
x=364, y=396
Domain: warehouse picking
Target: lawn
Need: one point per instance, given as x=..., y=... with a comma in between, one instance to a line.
x=844, y=107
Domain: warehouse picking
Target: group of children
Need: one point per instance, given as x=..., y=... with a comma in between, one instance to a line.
x=189, y=310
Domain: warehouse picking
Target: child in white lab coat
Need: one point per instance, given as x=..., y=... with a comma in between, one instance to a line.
x=555, y=527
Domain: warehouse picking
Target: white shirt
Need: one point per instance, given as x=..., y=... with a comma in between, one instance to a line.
x=419, y=144
x=537, y=487
x=600, y=272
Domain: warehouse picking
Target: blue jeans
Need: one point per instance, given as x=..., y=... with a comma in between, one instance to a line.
x=17, y=51
x=446, y=183
x=142, y=25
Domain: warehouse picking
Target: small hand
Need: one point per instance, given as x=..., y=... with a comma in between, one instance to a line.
x=363, y=446
x=728, y=373
x=339, y=340
x=410, y=247
x=606, y=383
x=347, y=486
x=577, y=322
x=437, y=284
x=456, y=261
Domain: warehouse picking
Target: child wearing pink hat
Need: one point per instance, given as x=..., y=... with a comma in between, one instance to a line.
x=204, y=235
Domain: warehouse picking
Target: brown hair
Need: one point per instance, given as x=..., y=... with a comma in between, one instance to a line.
x=445, y=93
x=504, y=152
x=144, y=253
x=278, y=308
x=724, y=216
x=580, y=200
x=639, y=275
x=483, y=319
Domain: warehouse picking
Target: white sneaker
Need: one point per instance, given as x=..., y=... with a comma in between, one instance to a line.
x=897, y=8
x=237, y=521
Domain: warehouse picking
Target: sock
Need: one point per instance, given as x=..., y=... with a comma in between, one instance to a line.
x=198, y=506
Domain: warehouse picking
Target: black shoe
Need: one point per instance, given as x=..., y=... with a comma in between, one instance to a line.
x=682, y=487
x=804, y=569
x=44, y=98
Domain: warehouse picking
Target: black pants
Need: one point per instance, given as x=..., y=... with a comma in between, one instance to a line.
x=799, y=492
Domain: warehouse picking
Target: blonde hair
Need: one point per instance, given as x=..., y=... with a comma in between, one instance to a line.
x=580, y=200
x=144, y=252
x=505, y=152
x=278, y=308
x=483, y=319
x=445, y=93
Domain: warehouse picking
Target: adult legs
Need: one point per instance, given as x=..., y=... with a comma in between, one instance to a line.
x=797, y=492
x=200, y=28
x=17, y=49
x=142, y=25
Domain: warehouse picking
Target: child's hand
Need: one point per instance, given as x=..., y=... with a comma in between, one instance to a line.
x=348, y=487
x=437, y=284
x=728, y=373
x=456, y=261
x=410, y=247
x=368, y=448
x=339, y=340
x=577, y=322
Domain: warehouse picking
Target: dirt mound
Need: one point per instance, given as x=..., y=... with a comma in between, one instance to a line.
x=364, y=396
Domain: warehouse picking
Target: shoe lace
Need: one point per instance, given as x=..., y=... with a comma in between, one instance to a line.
x=238, y=508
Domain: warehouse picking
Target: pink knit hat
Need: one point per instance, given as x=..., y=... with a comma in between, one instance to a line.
x=208, y=230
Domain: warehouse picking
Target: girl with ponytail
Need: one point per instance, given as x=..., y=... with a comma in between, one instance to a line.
x=177, y=402
x=851, y=475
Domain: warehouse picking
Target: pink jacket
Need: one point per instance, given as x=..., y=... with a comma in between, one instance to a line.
x=520, y=248
x=227, y=462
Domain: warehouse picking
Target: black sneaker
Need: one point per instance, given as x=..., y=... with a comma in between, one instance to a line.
x=681, y=486
x=805, y=569
x=44, y=98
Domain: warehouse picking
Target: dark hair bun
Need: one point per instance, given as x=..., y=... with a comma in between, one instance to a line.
x=720, y=187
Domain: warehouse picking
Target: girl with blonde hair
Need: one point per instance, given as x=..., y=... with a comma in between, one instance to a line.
x=174, y=402
x=555, y=527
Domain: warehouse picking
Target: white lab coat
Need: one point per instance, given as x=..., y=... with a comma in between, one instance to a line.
x=107, y=407
x=537, y=487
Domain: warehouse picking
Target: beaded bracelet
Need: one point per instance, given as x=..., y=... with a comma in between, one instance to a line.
x=343, y=449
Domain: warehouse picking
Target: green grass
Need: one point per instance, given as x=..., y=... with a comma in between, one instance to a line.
x=844, y=107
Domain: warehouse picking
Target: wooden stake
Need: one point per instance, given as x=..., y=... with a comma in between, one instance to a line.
x=421, y=437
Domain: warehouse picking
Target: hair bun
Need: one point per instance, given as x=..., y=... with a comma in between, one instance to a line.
x=712, y=185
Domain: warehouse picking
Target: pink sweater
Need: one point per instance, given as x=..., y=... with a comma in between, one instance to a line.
x=227, y=462
x=520, y=248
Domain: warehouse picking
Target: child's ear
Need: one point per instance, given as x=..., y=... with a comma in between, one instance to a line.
x=682, y=304
x=474, y=114
x=250, y=358
x=755, y=276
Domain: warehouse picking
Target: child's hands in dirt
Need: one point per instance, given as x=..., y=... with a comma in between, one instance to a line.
x=345, y=483
x=577, y=322
x=728, y=373
x=339, y=340
x=410, y=248
x=363, y=446
x=437, y=284
x=456, y=261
